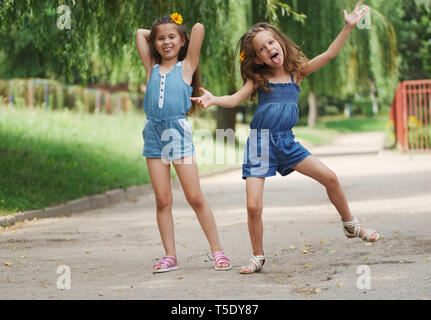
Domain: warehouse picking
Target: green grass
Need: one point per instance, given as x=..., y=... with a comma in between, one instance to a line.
x=327, y=128
x=352, y=125
x=52, y=157
x=49, y=158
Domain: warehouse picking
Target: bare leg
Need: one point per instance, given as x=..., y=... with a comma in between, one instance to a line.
x=187, y=172
x=160, y=180
x=254, y=190
x=314, y=168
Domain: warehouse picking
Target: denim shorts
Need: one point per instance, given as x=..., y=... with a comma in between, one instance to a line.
x=268, y=152
x=169, y=138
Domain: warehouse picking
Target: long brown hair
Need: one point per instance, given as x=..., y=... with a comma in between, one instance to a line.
x=294, y=58
x=181, y=55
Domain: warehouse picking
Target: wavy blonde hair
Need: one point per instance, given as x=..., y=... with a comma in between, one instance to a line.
x=294, y=58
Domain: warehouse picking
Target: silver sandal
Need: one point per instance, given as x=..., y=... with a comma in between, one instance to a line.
x=356, y=232
x=254, y=264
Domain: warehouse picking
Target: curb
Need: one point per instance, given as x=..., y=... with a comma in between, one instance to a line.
x=94, y=202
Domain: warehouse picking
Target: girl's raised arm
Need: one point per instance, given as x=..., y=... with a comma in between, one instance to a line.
x=191, y=61
x=143, y=46
x=350, y=22
x=231, y=101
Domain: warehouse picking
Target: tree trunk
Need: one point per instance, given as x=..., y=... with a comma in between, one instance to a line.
x=226, y=118
x=374, y=98
x=312, y=109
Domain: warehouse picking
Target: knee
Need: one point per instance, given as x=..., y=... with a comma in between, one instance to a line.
x=331, y=179
x=163, y=201
x=196, y=200
x=254, y=209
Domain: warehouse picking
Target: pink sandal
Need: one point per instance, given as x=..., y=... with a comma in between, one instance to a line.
x=168, y=263
x=220, y=257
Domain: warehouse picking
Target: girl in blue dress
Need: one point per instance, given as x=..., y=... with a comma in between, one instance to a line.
x=171, y=61
x=272, y=67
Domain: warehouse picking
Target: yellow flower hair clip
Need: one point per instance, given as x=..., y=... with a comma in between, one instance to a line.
x=177, y=18
x=242, y=56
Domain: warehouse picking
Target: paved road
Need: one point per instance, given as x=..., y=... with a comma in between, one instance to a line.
x=110, y=252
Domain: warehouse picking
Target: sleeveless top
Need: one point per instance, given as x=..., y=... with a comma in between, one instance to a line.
x=278, y=108
x=167, y=95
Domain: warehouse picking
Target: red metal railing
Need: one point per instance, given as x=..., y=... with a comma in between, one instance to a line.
x=411, y=114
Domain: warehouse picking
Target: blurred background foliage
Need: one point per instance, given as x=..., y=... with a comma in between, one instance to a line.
x=99, y=47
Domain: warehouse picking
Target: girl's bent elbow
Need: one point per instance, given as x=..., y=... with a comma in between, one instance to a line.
x=199, y=26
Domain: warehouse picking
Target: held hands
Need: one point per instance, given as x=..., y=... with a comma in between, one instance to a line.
x=352, y=19
x=206, y=100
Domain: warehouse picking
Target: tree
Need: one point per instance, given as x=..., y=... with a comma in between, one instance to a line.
x=353, y=70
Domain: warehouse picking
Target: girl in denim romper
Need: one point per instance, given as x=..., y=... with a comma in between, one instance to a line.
x=171, y=62
x=270, y=62
x=167, y=132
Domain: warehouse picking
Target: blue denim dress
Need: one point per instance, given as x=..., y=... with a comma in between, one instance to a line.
x=167, y=131
x=271, y=146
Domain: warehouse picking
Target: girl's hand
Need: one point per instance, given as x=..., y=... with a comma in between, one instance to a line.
x=356, y=16
x=206, y=100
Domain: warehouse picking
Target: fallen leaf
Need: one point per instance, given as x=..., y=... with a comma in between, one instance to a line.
x=87, y=251
x=308, y=245
x=365, y=259
x=425, y=298
x=7, y=264
x=292, y=247
x=340, y=284
x=280, y=277
x=306, y=266
x=184, y=246
x=275, y=254
x=321, y=242
x=426, y=259
x=305, y=252
x=332, y=251
x=179, y=278
x=397, y=231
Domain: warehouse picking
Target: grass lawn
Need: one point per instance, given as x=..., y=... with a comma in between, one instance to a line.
x=49, y=157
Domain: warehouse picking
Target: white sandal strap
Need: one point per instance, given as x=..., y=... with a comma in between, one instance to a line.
x=353, y=224
x=256, y=262
x=369, y=233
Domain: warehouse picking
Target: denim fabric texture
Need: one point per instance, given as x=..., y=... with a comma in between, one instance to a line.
x=271, y=146
x=167, y=132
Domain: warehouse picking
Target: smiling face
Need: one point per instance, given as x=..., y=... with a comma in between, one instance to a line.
x=168, y=41
x=268, y=50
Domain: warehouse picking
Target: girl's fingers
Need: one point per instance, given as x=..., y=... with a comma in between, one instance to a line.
x=357, y=6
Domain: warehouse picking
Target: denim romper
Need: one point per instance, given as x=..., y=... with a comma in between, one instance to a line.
x=275, y=149
x=167, y=133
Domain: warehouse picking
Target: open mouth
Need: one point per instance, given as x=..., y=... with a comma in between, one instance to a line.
x=276, y=58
